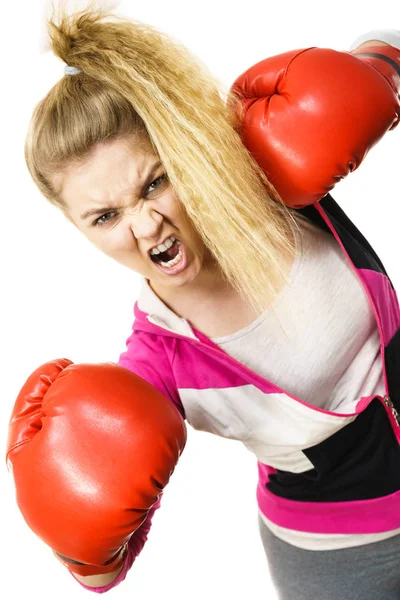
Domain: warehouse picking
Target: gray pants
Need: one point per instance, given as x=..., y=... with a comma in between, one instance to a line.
x=369, y=572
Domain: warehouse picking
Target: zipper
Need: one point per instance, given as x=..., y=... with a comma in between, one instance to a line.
x=389, y=404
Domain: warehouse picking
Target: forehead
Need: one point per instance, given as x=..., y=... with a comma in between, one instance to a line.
x=107, y=173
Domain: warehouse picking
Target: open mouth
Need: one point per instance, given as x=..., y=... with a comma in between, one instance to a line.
x=168, y=256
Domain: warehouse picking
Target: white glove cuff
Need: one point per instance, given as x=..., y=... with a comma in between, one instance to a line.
x=390, y=36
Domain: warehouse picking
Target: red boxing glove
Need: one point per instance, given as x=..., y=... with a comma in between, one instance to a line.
x=310, y=116
x=91, y=448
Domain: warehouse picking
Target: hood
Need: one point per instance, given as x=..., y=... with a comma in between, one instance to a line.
x=153, y=316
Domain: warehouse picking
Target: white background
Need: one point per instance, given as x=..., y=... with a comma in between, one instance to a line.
x=61, y=297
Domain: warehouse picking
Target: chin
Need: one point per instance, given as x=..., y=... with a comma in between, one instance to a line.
x=187, y=277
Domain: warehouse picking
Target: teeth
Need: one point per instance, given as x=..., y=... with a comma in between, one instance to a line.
x=173, y=261
x=163, y=247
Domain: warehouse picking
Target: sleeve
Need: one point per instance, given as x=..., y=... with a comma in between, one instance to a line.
x=135, y=546
x=146, y=356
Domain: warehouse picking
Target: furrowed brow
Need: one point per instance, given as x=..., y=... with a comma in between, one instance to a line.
x=96, y=211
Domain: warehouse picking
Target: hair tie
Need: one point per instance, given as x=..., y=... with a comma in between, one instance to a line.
x=71, y=70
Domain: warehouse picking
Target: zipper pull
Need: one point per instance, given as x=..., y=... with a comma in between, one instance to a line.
x=388, y=402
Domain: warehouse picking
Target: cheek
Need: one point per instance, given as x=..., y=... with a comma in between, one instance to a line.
x=178, y=217
x=115, y=239
x=170, y=207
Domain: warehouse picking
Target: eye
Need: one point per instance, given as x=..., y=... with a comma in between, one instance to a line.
x=154, y=186
x=158, y=183
x=99, y=222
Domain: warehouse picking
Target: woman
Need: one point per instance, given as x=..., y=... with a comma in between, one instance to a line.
x=243, y=297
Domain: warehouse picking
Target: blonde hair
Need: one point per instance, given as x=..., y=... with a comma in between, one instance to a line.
x=135, y=79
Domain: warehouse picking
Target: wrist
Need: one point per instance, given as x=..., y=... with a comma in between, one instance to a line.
x=87, y=569
x=370, y=43
x=95, y=581
x=377, y=37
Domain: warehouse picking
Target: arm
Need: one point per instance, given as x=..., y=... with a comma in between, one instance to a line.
x=106, y=581
x=371, y=43
x=380, y=49
x=98, y=583
x=377, y=37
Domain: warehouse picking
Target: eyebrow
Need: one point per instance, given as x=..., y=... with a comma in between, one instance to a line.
x=96, y=211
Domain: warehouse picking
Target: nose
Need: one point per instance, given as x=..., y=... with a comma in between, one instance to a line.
x=146, y=224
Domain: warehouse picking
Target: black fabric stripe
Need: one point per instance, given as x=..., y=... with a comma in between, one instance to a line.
x=359, y=462
x=392, y=361
x=363, y=256
x=390, y=61
x=359, y=249
x=311, y=213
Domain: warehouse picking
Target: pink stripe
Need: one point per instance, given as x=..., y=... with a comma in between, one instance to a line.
x=216, y=369
x=385, y=300
x=357, y=516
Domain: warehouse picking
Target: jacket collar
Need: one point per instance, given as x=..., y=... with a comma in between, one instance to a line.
x=151, y=309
